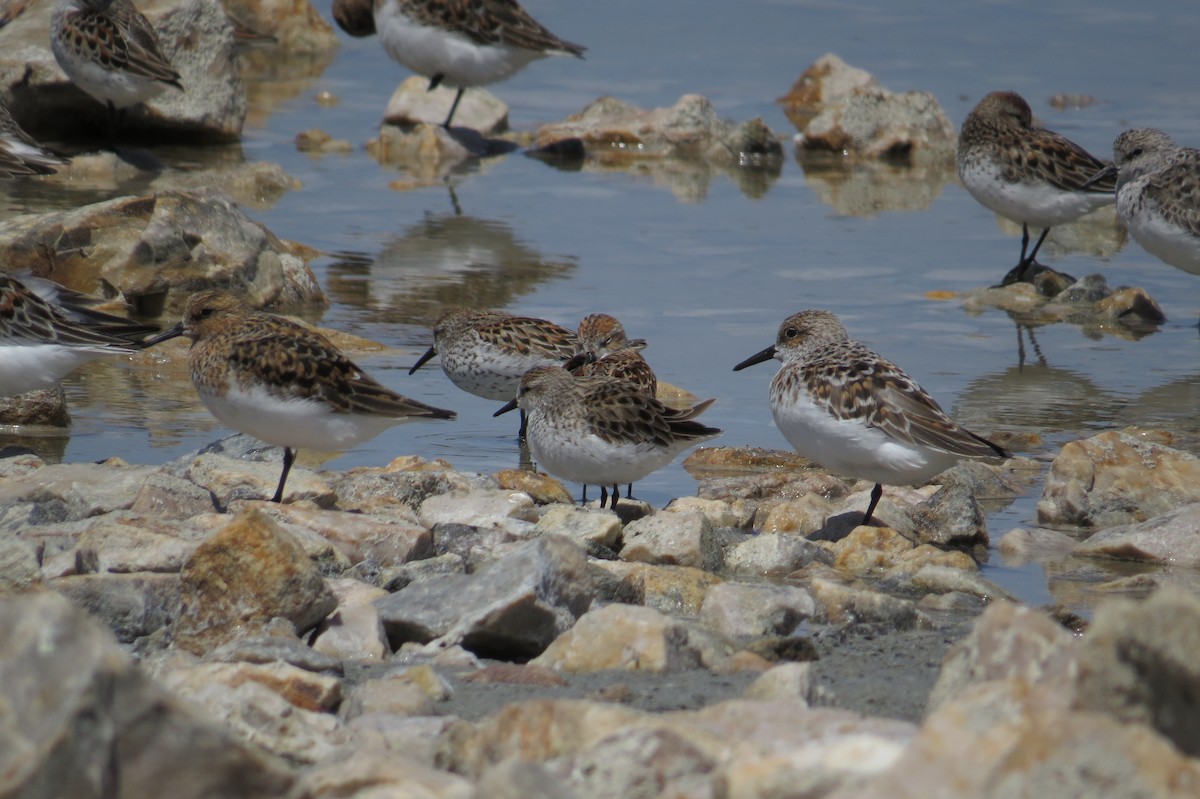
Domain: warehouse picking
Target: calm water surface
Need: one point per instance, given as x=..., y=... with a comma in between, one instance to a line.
x=704, y=263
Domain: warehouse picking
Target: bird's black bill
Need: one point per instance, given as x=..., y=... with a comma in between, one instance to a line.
x=429, y=353
x=511, y=405
x=759, y=357
x=168, y=334
x=1104, y=174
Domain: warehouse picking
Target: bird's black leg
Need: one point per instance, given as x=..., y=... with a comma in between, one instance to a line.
x=615, y=496
x=604, y=496
x=289, y=457
x=876, y=493
x=453, y=108
x=1033, y=255
x=583, y=501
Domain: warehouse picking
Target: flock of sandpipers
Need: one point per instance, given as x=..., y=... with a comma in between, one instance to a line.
x=586, y=396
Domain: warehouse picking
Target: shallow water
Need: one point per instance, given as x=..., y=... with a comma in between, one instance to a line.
x=705, y=263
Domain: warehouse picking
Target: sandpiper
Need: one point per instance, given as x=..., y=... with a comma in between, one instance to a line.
x=846, y=408
x=282, y=382
x=600, y=430
x=1029, y=175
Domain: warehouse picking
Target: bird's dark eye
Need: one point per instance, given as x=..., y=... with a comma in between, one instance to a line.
x=1135, y=152
x=204, y=313
x=791, y=332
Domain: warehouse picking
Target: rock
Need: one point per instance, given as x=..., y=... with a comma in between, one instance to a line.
x=1114, y=478
x=838, y=604
x=1009, y=641
x=718, y=513
x=622, y=637
x=947, y=579
x=678, y=539
x=394, y=579
x=420, y=738
x=952, y=518
x=1140, y=663
x=195, y=36
x=536, y=730
x=512, y=608
x=19, y=568
x=78, y=713
x=612, y=130
x=637, y=764
x=588, y=528
x=384, y=542
x=870, y=550
x=476, y=546
x=380, y=773
x=157, y=249
x=773, y=555
x=381, y=490
x=784, y=748
x=872, y=122
x=426, y=151
x=82, y=490
x=674, y=590
x=131, y=605
x=785, y=682
x=274, y=646
x=1169, y=538
x=229, y=480
x=247, y=573
x=165, y=496
x=750, y=609
x=1026, y=545
x=542, y=488
x=827, y=80
x=483, y=508
x=116, y=542
x=408, y=691
x=521, y=779
x=414, y=104
x=803, y=516
x=1002, y=739
x=256, y=712
x=45, y=407
x=353, y=632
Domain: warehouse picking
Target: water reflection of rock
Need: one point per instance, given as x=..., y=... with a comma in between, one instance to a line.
x=866, y=188
x=274, y=75
x=1036, y=398
x=1171, y=406
x=1097, y=234
x=442, y=261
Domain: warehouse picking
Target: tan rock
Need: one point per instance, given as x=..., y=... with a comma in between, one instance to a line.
x=674, y=590
x=374, y=773
x=231, y=478
x=537, y=730
x=802, y=516
x=1138, y=663
x=1008, y=641
x=839, y=603
x=582, y=525
x=383, y=541
x=247, y=573
x=1114, y=478
x=869, y=550
x=677, y=539
x=1006, y=738
x=543, y=488
x=827, y=80
x=621, y=637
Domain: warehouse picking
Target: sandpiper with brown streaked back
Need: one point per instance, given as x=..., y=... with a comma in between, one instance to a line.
x=462, y=43
x=485, y=352
x=1029, y=175
x=600, y=430
x=606, y=350
x=46, y=332
x=109, y=50
x=850, y=410
x=1158, y=195
x=282, y=382
x=20, y=155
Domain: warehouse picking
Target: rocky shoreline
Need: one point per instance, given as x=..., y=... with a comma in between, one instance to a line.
x=411, y=630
